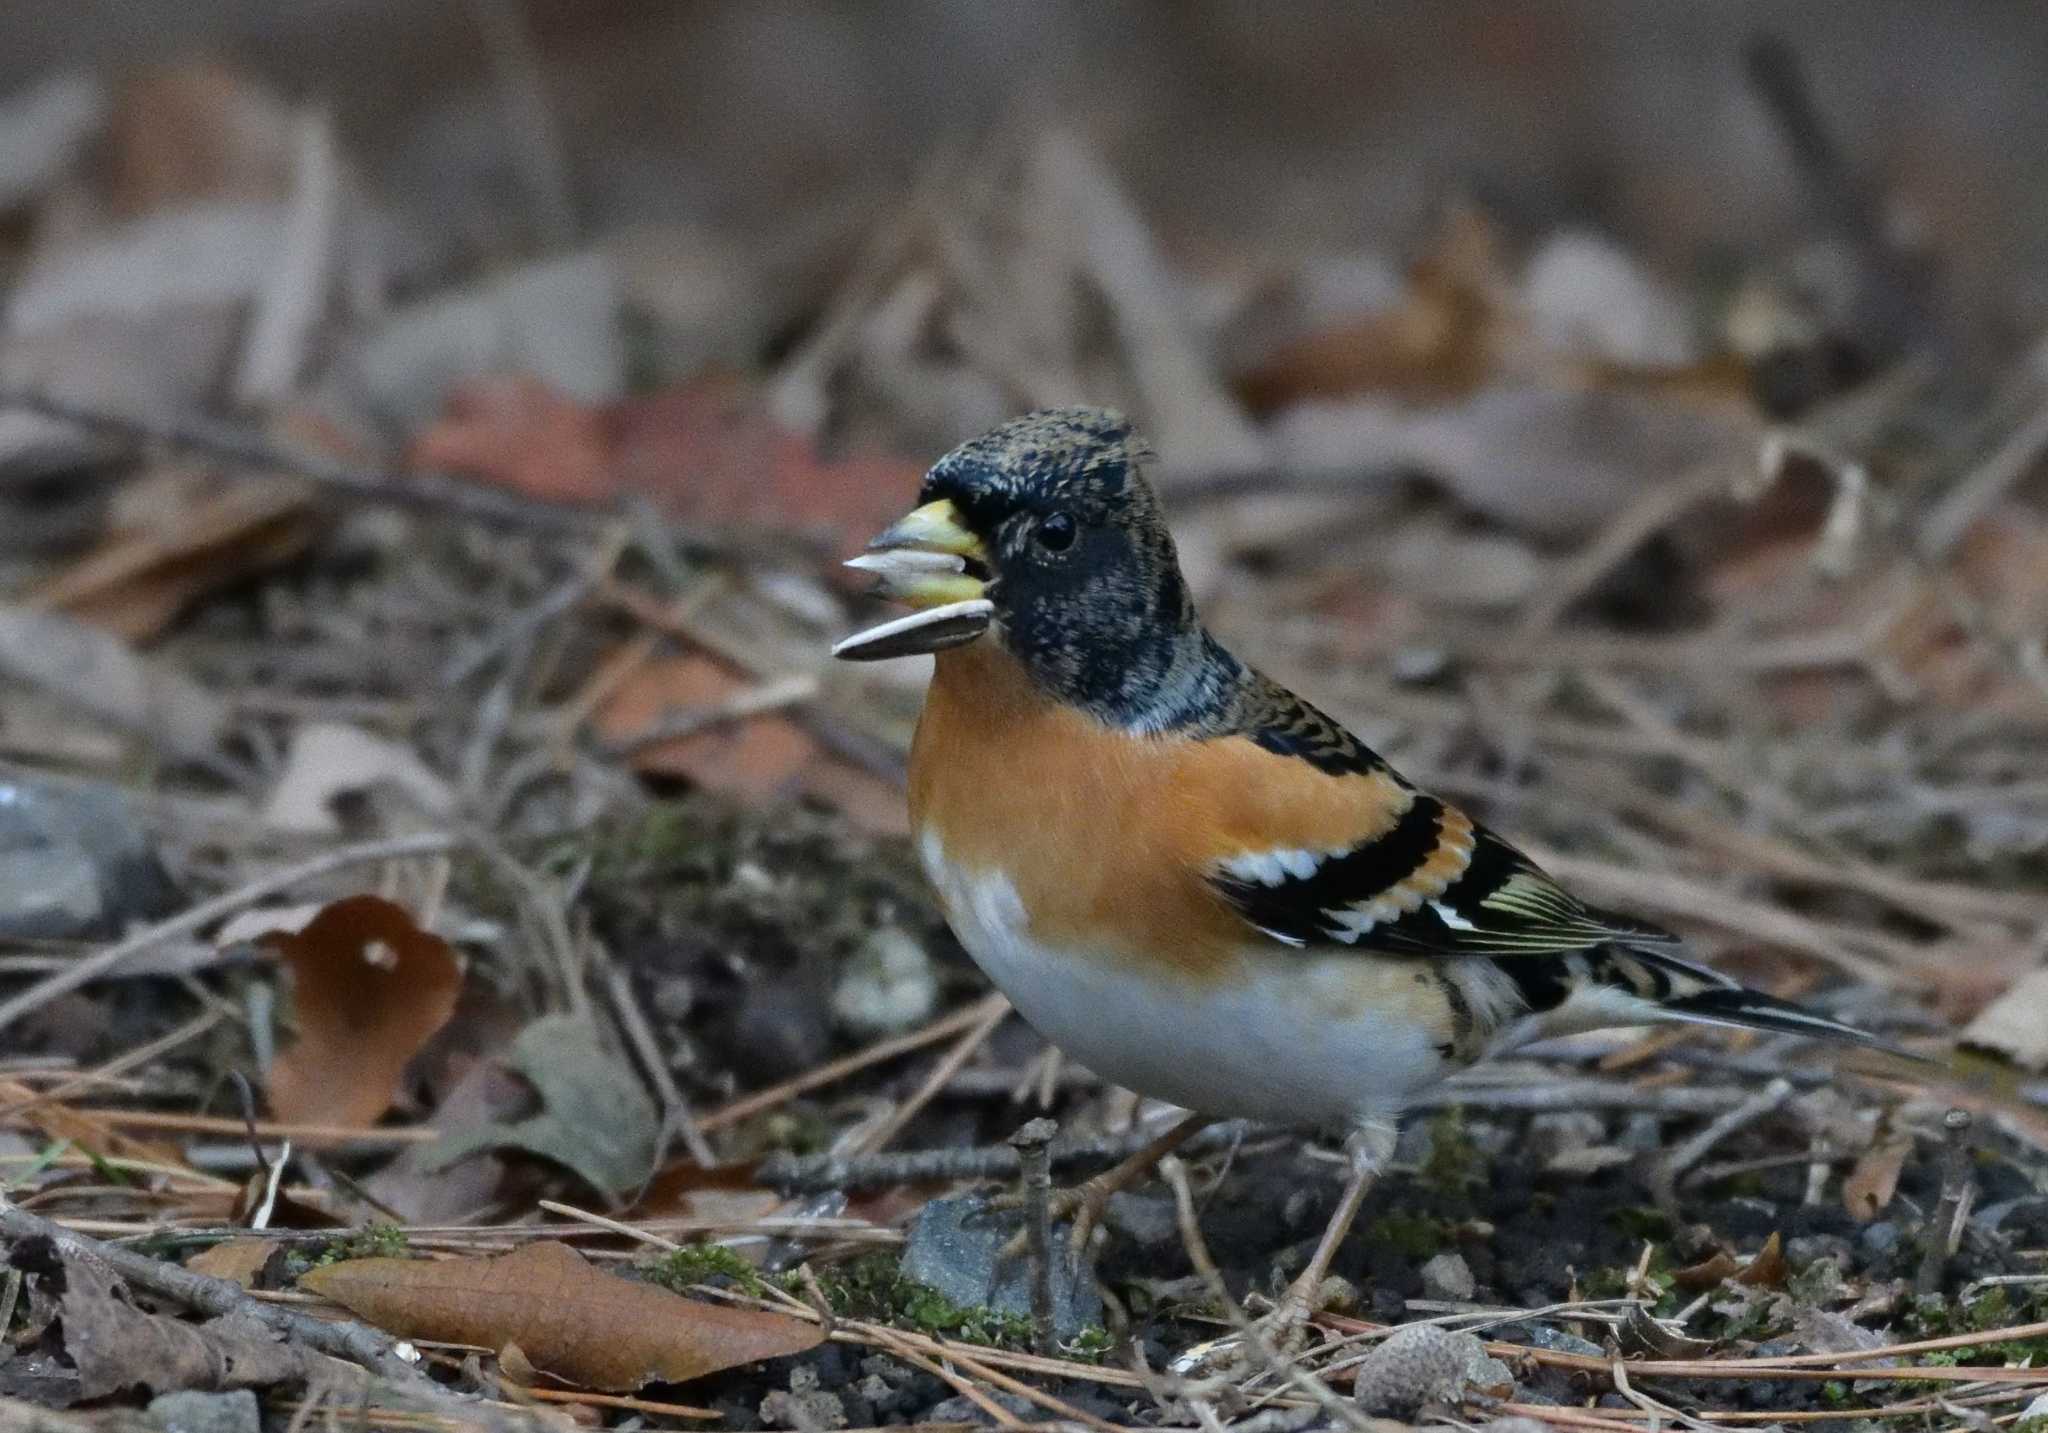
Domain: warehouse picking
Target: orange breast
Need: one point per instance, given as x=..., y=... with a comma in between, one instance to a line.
x=1110, y=838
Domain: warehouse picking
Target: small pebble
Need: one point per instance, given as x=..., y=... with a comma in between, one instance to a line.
x=1563, y=1132
x=1448, y=1277
x=888, y=986
x=1426, y=1366
x=1803, y=1249
x=805, y=1406
x=191, y=1412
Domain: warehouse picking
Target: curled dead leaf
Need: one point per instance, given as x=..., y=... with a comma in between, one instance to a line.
x=568, y=1319
x=1868, y=1190
x=370, y=988
x=1641, y=1333
x=239, y=1261
x=1708, y=1272
x=1768, y=1269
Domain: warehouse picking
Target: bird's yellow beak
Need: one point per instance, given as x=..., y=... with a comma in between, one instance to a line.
x=929, y=561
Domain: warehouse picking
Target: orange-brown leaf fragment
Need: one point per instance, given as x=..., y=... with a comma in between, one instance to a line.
x=569, y=1319
x=1870, y=1185
x=370, y=988
x=1768, y=1270
x=240, y=1261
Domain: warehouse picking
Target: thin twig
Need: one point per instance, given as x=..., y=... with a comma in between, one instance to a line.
x=1945, y=1229
x=342, y=1338
x=747, y=1106
x=101, y=963
x=233, y=445
x=676, y=1118
x=1665, y=1173
x=809, y=1174
x=1033, y=1143
x=962, y=1051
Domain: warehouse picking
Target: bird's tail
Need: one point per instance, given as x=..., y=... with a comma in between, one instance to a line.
x=1680, y=991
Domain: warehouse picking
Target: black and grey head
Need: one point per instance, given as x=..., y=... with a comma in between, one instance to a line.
x=1051, y=522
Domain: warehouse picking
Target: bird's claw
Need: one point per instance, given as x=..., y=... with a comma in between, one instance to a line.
x=1084, y=1204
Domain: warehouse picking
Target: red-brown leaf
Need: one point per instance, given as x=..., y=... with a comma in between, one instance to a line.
x=569, y=1319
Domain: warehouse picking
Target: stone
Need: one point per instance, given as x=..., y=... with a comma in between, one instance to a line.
x=191, y=1412
x=1448, y=1277
x=1425, y=1366
x=956, y=1246
x=74, y=865
x=886, y=987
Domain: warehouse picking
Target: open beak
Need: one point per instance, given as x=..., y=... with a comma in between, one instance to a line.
x=930, y=562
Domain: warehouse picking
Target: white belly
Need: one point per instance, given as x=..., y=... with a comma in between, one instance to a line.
x=1285, y=1039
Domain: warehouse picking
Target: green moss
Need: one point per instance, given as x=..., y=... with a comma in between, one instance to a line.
x=1641, y=1222
x=699, y=1264
x=875, y=1288
x=372, y=1241
x=1932, y=1316
x=1091, y=1345
x=1455, y=1166
x=1412, y=1236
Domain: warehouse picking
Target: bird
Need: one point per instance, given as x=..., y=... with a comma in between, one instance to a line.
x=1192, y=880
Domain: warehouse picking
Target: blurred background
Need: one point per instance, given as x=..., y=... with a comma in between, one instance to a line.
x=439, y=423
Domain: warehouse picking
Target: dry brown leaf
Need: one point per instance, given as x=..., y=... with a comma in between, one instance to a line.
x=569, y=1319
x=1768, y=1269
x=1708, y=1272
x=370, y=988
x=192, y=130
x=1441, y=341
x=204, y=536
x=2015, y=1025
x=762, y=757
x=239, y=1261
x=116, y=1345
x=1871, y=1184
x=519, y=433
x=58, y=1121
x=703, y=451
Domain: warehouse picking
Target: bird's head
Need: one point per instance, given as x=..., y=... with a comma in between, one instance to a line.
x=1044, y=536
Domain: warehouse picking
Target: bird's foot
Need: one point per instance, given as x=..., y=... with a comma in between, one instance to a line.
x=1277, y=1336
x=1085, y=1204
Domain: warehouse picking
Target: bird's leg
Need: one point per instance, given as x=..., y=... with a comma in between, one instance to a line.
x=1368, y=1148
x=1085, y=1203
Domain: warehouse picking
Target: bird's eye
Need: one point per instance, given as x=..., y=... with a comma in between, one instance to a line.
x=1056, y=533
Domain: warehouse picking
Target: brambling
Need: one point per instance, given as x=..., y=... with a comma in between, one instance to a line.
x=1184, y=875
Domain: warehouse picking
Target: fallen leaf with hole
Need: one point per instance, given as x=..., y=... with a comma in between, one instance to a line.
x=569, y=1319
x=1869, y=1188
x=595, y=1117
x=369, y=989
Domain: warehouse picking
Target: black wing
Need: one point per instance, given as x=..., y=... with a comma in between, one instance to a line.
x=1436, y=883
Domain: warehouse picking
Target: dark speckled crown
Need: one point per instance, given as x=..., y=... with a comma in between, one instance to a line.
x=1114, y=631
